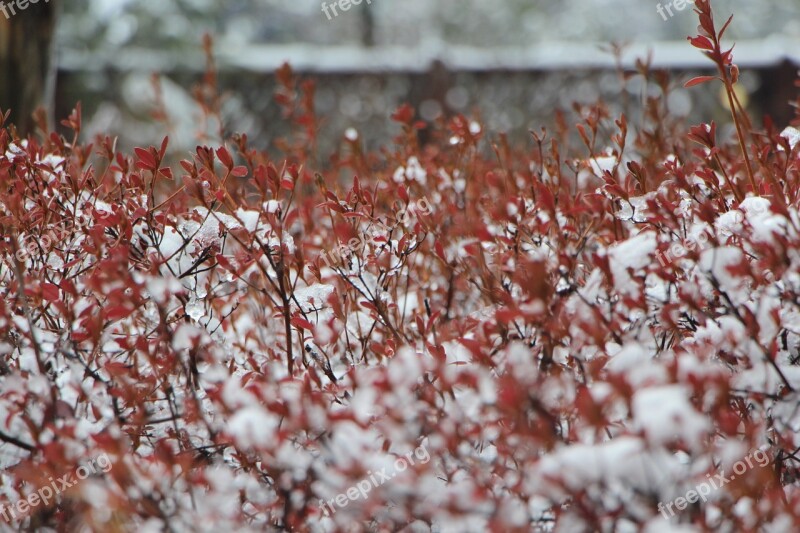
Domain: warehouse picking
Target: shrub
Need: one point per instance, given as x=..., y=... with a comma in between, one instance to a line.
x=466, y=336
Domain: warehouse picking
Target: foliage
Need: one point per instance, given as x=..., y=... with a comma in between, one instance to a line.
x=574, y=333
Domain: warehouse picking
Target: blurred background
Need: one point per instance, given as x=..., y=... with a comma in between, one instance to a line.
x=512, y=63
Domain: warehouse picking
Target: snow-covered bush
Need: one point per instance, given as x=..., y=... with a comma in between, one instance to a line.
x=569, y=337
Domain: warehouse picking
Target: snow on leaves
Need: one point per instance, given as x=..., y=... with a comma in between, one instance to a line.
x=529, y=330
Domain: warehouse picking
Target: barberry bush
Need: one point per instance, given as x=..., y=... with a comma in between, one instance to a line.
x=467, y=335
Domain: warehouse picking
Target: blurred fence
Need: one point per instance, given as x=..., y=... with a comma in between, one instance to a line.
x=513, y=89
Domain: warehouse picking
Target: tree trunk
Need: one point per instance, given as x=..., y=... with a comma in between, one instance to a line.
x=367, y=26
x=27, y=77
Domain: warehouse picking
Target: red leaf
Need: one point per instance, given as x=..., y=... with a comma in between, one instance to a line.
x=701, y=42
x=116, y=312
x=115, y=368
x=188, y=166
x=727, y=57
x=432, y=319
x=725, y=27
x=239, y=171
x=146, y=158
x=368, y=305
x=440, y=251
x=80, y=336
x=225, y=157
x=506, y=315
x=402, y=193
x=50, y=292
x=335, y=206
x=698, y=80
x=403, y=242
x=223, y=262
x=403, y=114
x=68, y=287
x=163, y=149
x=300, y=322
